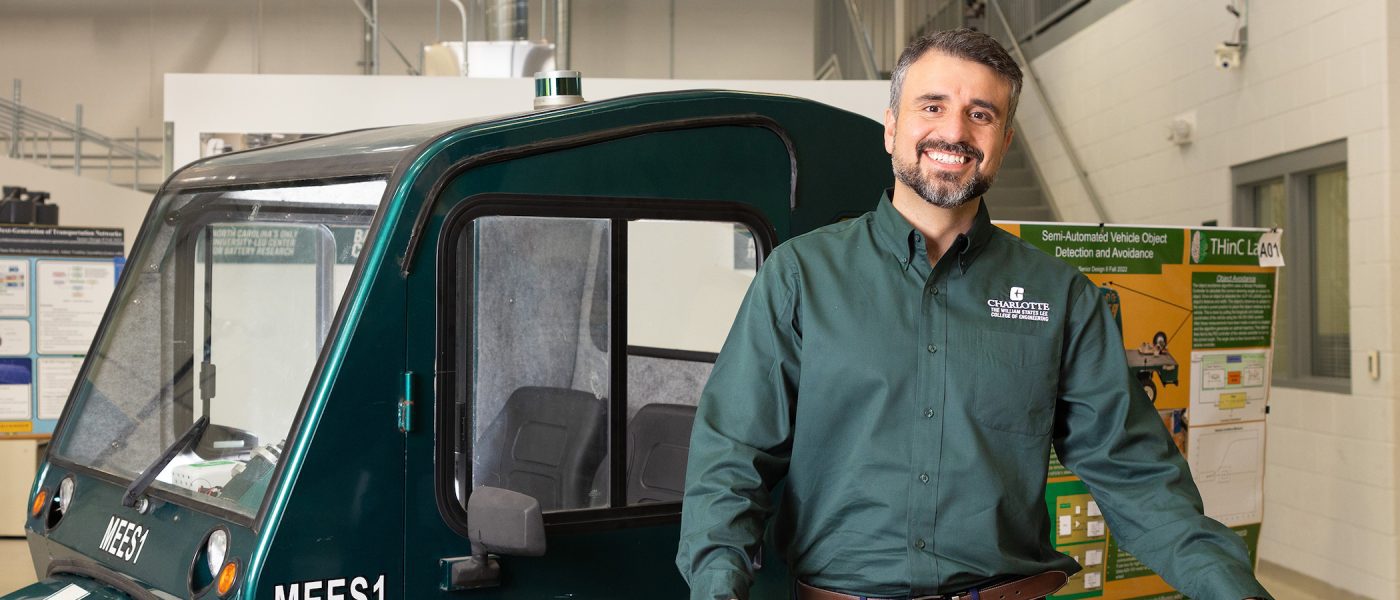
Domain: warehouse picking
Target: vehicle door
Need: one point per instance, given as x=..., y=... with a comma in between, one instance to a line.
x=579, y=300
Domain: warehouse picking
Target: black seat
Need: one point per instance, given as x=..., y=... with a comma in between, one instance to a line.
x=660, y=444
x=547, y=443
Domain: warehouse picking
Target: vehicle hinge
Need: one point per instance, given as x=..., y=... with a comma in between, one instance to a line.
x=207, y=378
x=406, y=404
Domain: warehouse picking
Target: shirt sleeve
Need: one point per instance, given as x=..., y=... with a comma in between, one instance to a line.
x=1112, y=438
x=741, y=442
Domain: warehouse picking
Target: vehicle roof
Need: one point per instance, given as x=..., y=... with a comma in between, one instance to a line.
x=375, y=152
x=348, y=154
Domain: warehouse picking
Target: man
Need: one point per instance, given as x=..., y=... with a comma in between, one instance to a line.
x=911, y=422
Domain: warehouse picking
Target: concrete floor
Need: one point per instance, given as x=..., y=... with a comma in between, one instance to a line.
x=17, y=571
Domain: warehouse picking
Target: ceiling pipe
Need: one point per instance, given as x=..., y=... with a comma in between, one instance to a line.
x=462, y=10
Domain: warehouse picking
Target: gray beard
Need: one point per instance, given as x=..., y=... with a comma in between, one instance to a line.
x=940, y=195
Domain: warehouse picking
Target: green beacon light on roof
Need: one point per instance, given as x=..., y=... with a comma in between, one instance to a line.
x=558, y=88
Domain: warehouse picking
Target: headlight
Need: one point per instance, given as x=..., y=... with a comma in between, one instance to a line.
x=216, y=550
x=62, y=497
x=65, y=494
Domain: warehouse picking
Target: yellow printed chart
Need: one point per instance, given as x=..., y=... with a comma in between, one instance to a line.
x=1195, y=307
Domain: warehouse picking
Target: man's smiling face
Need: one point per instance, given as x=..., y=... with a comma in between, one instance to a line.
x=951, y=130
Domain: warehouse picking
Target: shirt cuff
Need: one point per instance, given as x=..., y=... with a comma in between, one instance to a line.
x=1228, y=582
x=719, y=584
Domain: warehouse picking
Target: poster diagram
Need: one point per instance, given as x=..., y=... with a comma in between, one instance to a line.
x=56, y=377
x=16, y=379
x=14, y=288
x=72, y=296
x=1227, y=462
x=1231, y=387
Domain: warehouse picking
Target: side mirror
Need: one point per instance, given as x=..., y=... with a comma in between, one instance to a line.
x=498, y=522
x=505, y=522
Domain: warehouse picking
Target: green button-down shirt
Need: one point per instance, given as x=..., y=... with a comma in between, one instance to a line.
x=911, y=410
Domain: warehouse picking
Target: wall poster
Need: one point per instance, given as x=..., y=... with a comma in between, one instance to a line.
x=1196, y=308
x=55, y=284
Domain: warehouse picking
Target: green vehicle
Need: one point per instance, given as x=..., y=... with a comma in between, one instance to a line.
x=438, y=361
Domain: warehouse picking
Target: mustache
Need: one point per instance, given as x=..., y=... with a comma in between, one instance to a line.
x=942, y=146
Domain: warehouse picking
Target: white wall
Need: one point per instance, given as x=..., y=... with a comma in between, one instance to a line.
x=1314, y=72
x=684, y=288
x=329, y=103
x=82, y=201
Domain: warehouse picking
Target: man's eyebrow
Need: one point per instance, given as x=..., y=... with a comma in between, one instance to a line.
x=986, y=104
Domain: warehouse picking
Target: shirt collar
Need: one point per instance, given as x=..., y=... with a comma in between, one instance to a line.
x=906, y=244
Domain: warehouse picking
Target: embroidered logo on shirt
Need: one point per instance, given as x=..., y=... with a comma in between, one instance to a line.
x=1017, y=307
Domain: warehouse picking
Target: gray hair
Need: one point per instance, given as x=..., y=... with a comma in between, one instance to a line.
x=962, y=43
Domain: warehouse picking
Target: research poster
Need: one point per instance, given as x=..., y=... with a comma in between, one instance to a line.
x=55, y=284
x=1195, y=307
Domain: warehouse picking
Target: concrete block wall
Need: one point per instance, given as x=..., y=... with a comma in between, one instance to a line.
x=1314, y=72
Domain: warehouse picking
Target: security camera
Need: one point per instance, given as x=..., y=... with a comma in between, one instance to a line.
x=1227, y=56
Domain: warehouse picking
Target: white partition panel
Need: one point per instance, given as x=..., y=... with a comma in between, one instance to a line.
x=297, y=104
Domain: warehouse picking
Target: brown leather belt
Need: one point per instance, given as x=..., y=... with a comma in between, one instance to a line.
x=1025, y=588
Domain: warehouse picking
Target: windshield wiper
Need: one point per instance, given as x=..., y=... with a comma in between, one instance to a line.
x=138, y=487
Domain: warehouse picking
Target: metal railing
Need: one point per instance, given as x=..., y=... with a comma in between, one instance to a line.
x=1030, y=18
x=28, y=134
x=861, y=39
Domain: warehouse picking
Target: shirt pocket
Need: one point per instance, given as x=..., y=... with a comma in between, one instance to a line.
x=1017, y=376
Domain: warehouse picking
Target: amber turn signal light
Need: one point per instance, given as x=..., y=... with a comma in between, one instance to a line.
x=226, y=578
x=40, y=499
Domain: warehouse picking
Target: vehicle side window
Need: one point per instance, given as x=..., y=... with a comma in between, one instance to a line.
x=685, y=281
x=542, y=322
x=538, y=357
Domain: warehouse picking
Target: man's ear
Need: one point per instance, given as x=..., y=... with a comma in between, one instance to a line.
x=1010, y=133
x=889, y=130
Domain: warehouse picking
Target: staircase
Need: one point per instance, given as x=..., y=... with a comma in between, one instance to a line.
x=1016, y=195
x=31, y=135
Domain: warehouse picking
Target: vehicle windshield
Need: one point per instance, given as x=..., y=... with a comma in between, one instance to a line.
x=227, y=301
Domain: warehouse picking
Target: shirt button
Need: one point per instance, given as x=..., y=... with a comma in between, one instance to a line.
x=928, y=413
x=932, y=348
x=933, y=290
x=923, y=477
x=919, y=543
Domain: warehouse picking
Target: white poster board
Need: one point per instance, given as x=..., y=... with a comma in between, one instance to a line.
x=56, y=377
x=72, y=295
x=1227, y=462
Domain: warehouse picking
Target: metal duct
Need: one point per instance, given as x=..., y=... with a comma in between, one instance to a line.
x=507, y=20
x=561, y=35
